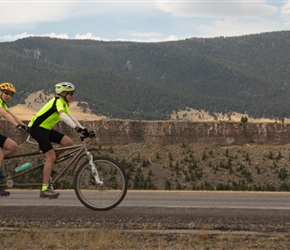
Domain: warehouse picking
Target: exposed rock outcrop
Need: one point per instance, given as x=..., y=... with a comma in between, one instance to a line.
x=120, y=132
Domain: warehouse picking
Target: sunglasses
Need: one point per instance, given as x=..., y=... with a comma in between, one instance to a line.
x=70, y=93
x=8, y=93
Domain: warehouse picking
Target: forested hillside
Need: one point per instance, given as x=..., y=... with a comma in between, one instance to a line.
x=150, y=80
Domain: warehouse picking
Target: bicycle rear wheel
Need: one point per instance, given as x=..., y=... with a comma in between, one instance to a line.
x=105, y=196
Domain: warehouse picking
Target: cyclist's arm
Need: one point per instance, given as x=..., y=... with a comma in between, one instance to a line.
x=19, y=122
x=67, y=119
x=7, y=116
x=76, y=121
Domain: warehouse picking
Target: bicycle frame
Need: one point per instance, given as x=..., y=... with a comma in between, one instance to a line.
x=76, y=152
x=100, y=183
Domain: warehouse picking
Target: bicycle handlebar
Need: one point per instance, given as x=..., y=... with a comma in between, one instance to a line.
x=91, y=134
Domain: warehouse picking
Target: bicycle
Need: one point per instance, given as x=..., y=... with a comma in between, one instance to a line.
x=100, y=182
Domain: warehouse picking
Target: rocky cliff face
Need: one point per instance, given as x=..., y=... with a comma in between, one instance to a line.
x=169, y=132
x=121, y=132
x=189, y=155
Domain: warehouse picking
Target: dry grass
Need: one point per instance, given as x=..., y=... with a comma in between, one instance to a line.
x=209, y=167
x=61, y=239
x=112, y=239
x=36, y=100
x=191, y=114
x=33, y=103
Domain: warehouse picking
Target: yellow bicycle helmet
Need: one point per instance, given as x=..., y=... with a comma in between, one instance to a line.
x=64, y=86
x=7, y=86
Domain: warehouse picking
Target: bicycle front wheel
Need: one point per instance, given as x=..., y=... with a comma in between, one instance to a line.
x=101, y=196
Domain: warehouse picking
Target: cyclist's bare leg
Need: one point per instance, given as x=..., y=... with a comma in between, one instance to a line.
x=1, y=157
x=48, y=165
x=46, y=190
x=9, y=147
x=65, y=142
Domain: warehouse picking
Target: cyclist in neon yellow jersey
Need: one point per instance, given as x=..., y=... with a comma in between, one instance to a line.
x=8, y=146
x=41, y=129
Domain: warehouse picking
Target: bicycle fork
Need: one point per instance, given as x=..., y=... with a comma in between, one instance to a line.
x=93, y=168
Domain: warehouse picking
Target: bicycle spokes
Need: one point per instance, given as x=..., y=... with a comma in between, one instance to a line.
x=102, y=195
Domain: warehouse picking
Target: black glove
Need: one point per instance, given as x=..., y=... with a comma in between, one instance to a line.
x=92, y=134
x=83, y=131
x=21, y=127
x=78, y=129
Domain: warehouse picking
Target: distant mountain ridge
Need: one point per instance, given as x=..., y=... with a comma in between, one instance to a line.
x=130, y=80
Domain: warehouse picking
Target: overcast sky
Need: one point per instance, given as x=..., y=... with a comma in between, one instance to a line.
x=141, y=20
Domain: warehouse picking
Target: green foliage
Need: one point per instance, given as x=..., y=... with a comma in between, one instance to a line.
x=270, y=155
x=145, y=163
x=279, y=156
x=150, y=80
x=227, y=152
x=203, y=156
x=258, y=169
x=170, y=157
x=282, y=173
x=167, y=185
x=157, y=156
x=111, y=150
x=244, y=119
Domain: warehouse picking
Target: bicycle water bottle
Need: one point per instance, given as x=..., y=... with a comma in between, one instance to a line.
x=23, y=167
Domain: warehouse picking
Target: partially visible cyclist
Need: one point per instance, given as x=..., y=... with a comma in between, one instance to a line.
x=41, y=129
x=8, y=146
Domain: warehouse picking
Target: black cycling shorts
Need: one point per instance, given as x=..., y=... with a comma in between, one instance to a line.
x=2, y=140
x=45, y=137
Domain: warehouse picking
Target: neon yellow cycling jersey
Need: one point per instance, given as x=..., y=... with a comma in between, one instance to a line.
x=3, y=105
x=48, y=115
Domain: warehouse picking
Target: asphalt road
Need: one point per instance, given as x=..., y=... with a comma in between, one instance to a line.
x=247, y=212
x=169, y=199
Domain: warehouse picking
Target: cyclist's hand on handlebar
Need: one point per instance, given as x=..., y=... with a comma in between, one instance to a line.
x=83, y=131
x=92, y=134
x=21, y=127
x=78, y=129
